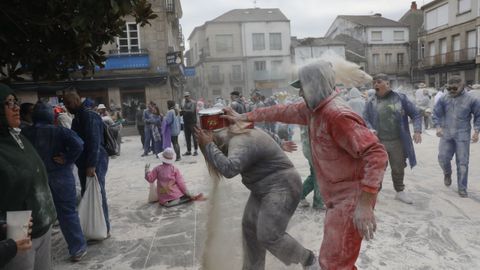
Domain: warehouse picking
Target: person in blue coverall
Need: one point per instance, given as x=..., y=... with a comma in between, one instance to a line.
x=94, y=159
x=452, y=117
x=59, y=148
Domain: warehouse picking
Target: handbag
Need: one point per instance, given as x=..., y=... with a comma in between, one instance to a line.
x=90, y=211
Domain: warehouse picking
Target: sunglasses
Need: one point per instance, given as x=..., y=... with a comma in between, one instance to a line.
x=12, y=104
x=452, y=88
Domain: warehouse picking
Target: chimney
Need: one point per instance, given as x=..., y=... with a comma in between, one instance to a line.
x=413, y=6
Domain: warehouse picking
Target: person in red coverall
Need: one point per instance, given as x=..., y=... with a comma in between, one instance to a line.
x=348, y=158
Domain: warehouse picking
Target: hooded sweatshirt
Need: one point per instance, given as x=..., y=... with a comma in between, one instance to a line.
x=50, y=141
x=23, y=178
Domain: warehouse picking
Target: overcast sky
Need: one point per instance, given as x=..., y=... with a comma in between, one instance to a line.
x=308, y=18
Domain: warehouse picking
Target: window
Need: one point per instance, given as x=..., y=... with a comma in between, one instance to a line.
x=217, y=92
x=437, y=17
x=258, y=41
x=275, y=41
x=464, y=6
x=276, y=66
x=259, y=65
x=472, y=44
x=377, y=35
x=375, y=59
x=215, y=73
x=400, y=61
x=422, y=51
x=398, y=35
x=224, y=43
x=443, y=50
x=388, y=59
x=236, y=73
x=128, y=41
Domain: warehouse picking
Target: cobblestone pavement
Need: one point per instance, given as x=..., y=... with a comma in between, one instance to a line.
x=439, y=231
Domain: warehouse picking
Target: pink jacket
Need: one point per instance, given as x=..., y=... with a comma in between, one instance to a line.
x=345, y=152
x=170, y=184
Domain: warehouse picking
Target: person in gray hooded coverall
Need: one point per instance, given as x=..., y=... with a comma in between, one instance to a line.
x=276, y=189
x=452, y=115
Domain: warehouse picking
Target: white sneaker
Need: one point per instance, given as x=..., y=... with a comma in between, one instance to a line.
x=403, y=197
x=314, y=266
x=304, y=203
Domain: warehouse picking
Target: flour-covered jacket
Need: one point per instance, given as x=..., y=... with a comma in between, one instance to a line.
x=263, y=165
x=406, y=109
x=454, y=115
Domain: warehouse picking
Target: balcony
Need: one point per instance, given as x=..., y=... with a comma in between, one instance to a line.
x=389, y=69
x=138, y=59
x=464, y=55
x=237, y=77
x=216, y=78
x=264, y=75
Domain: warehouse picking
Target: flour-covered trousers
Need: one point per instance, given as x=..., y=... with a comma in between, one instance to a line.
x=264, y=223
x=461, y=148
x=341, y=240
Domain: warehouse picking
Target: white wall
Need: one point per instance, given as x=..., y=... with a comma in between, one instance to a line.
x=266, y=28
x=387, y=35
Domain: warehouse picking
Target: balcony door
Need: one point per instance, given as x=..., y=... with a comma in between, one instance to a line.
x=443, y=50
x=456, y=48
x=472, y=44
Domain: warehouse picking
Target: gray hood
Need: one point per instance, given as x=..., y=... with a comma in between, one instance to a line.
x=354, y=93
x=318, y=82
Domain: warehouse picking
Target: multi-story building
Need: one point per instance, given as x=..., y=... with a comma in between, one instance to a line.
x=135, y=70
x=449, y=41
x=378, y=44
x=414, y=19
x=240, y=50
x=308, y=49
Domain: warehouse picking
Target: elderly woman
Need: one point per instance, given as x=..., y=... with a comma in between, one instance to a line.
x=275, y=187
x=24, y=185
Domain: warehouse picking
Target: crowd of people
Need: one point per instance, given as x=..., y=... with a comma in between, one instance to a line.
x=349, y=136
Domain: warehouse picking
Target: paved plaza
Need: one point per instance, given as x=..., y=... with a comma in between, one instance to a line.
x=439, y=231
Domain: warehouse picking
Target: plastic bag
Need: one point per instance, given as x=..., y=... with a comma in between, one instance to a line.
x=152, y=193
x=90, y=211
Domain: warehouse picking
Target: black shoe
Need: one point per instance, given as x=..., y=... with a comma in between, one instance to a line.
x=195, y=153
x=187, y=153
x=178, y=159
x=447, y=180
x=144, y=155
x=463, y=193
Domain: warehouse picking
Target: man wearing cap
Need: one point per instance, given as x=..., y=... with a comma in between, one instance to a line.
x=189, y=113
x=348, y=159
x=237, y=103
x=386, y=114
x=452, y=117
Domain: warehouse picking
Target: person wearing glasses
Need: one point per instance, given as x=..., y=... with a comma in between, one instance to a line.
x=452, y=117
x=386, y=114
x=24, y=185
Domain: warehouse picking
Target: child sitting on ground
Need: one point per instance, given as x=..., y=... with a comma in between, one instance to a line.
x=171, y=188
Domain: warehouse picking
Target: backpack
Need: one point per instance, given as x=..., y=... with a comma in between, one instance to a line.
x=109, y=142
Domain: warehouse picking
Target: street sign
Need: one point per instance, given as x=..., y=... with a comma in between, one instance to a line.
x=189, y=71
x=174, y=58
